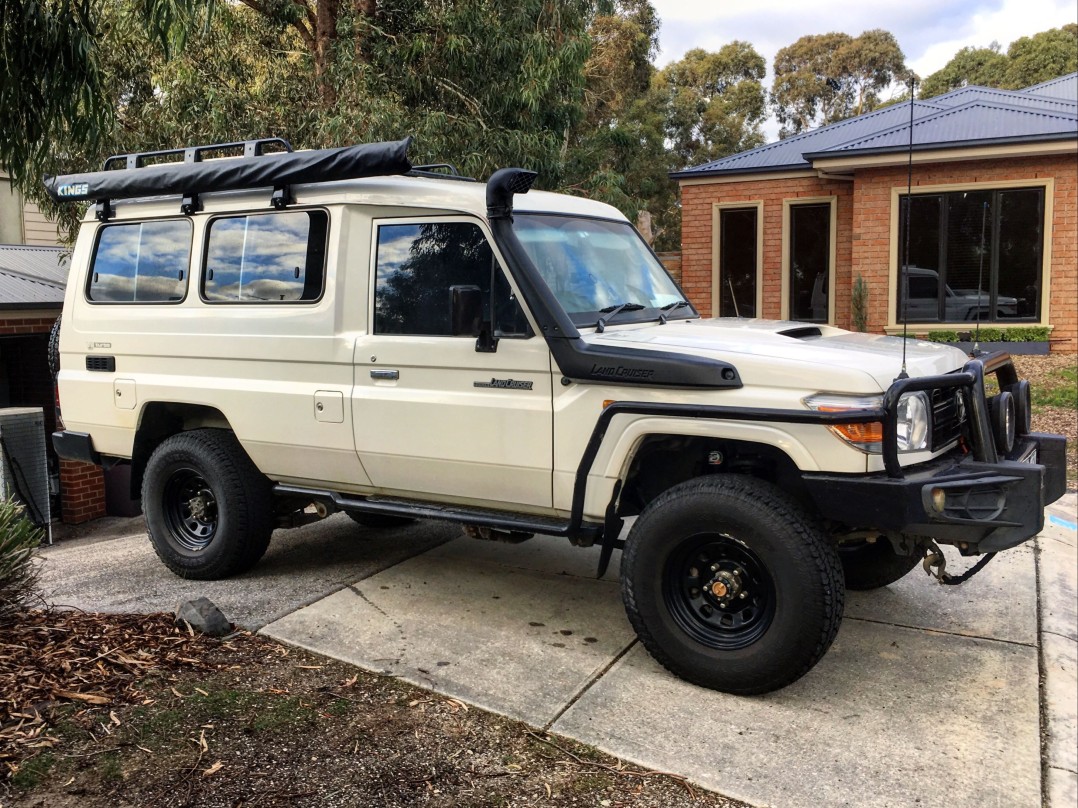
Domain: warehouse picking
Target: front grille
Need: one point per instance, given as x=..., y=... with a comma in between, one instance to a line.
x=948, y=416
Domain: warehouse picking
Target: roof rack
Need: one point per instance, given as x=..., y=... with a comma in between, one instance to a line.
x=441, y=171
x=195, y=154
x=259, y=169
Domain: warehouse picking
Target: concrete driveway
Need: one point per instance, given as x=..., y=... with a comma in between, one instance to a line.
x=930, y=696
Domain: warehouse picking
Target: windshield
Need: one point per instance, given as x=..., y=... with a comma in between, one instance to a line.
x=592, y=265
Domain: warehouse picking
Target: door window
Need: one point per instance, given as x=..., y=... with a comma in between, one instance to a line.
x=416, y=269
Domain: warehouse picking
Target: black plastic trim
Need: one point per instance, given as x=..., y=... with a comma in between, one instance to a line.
x=100, y=364
x=75, y=446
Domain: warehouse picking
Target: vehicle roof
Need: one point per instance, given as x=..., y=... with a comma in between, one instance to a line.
x=452, y=195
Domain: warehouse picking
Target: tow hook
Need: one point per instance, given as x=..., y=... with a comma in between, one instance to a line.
x=935, y=564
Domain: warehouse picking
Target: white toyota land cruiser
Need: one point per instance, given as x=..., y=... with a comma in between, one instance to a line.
x=272, y=338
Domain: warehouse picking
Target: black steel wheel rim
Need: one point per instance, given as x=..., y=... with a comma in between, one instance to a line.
x=190, y=509
x=718, y=591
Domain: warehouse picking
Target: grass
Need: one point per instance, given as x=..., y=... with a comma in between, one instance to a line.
x=1058, y=388
x=33, y=771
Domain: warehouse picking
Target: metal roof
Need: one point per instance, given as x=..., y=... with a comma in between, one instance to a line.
x=967, y=116
x=32, y=277
x=1063, y=87
x=966, y=123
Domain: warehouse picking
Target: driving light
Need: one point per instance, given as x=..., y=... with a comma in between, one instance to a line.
x=1001, y=408
x=1023, y=409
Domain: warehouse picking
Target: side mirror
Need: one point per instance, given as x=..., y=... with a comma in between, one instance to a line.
x=466, y=317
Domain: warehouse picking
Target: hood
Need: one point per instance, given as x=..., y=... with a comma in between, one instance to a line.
x=820, y=356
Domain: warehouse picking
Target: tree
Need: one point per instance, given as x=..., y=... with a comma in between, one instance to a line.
x=1043, y=56
x=823, y=78
x=51, y=88
x=714, y=102
x=983, y=66
x=1028, y=61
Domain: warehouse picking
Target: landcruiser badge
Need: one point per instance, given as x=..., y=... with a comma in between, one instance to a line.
x=620, y=372
x=505, y=384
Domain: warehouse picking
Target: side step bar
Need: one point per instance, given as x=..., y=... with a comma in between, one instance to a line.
x=426, y=510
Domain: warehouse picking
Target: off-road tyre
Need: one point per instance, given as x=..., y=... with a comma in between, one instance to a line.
x=209, y=510
x=379, y=520
x=873, y=565
x=54, y=348
x=792, y=575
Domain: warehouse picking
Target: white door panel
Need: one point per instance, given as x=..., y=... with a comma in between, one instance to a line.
x=432, y=431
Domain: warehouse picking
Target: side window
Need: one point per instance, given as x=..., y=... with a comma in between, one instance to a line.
x=141, y=262
x=266, y=257
x=418, y=264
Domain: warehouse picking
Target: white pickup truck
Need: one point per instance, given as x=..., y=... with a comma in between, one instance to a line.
x=276, y=337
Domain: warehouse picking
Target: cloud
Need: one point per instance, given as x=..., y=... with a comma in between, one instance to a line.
x=929, y=31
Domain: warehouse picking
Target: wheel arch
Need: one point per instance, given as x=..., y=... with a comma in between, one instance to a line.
x=159, y=420
x=661, y=460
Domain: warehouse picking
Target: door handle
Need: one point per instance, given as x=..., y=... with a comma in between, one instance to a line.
x=390, y=375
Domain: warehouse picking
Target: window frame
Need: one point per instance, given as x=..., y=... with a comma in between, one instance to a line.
x=832, y=251
x=139, y=221
x=440, y=218
x=235, y=214
x=717, y=209
x=894, y=321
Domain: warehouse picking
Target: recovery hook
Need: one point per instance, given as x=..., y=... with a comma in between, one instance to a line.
x=935, y=564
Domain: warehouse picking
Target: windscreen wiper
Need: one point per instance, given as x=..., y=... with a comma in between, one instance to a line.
x=677, y=304
x=610, y=312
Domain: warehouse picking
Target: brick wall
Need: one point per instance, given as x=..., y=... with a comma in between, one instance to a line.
x=82, y=485
x=863, y=232
x=696, y=235
x=83, y=491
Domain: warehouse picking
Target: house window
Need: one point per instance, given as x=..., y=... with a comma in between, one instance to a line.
x=809, y=262
x=973, y=255
x=737, y=262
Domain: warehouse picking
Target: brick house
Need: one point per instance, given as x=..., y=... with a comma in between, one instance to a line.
x=33, y=275
x=784, y=230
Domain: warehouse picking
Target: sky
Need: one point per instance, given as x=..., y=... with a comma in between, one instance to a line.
x=928, y=31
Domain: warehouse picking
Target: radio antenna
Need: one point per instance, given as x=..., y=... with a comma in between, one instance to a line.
x=980, y=284
x=902, y=374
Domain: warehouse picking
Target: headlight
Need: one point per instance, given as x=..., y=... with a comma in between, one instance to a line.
x=866, y=437
x=913, y=421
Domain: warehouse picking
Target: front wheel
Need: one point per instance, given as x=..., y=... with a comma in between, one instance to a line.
x=731, y=585
x=209, y=510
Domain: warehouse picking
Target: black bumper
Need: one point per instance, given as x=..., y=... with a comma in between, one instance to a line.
x=75, y=446
x=986, y=506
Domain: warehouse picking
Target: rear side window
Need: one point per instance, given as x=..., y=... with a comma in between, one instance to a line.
x=141, y=262
x=266, y=258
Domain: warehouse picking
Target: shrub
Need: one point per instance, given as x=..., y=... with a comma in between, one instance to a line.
x=1014, y=333
x=859, y=304
x=18, y=566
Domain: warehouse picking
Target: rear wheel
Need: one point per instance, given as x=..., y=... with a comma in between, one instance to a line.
x=871, y=565
x=731, y=585
x=209, y=510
